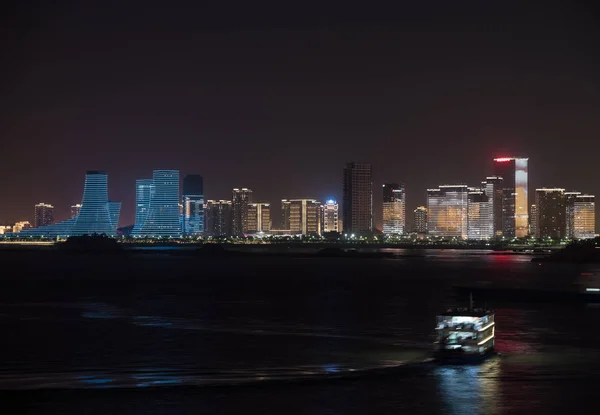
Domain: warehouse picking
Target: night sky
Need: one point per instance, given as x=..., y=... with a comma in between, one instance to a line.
x=277, y=97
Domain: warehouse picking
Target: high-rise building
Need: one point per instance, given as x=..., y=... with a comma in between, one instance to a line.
x=420, y=219
x=193, y=205
x=19, y=227
x=43, y=215
x=584, y=221
x=97, y=214
x=259, y=217
x=480, y=223
x=285, y=214
x=447, y=208
x=75, y=210
x=241, y=199
x=515, y=207
x=394, y=209
x=159, y=216
x=551, y=208
x=303, y=217
x=570, y=198
x=330, y=217
x=533, y=221
x=218, y=217
x=358, y=198
x=495, y=192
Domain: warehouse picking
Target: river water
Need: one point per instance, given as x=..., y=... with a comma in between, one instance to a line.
x=163, y=334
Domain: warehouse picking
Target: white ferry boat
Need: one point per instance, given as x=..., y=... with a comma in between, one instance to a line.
x=465, y=334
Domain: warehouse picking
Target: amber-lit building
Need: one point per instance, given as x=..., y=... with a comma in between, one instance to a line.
x=480, y=224
x=584, y=217
x=533, y=221
x=241, y=199
x=420, y=219
x=302, y=216
x=394, y=209
x=551, y=213
x=447, y=208
x=43, y=215
x=357, y=207
x=515, y=207
x=259, y=217
x=330, y=221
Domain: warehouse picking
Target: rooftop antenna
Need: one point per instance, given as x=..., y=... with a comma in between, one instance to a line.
x=470, y=301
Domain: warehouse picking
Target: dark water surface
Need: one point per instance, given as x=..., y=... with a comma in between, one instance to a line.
x=167, y=335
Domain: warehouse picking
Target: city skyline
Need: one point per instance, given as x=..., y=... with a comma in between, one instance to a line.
x=426, y=95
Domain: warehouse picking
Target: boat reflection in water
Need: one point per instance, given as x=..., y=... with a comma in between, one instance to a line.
x=470, y=389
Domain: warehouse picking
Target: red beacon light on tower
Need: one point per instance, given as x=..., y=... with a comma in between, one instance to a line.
x=503, y=159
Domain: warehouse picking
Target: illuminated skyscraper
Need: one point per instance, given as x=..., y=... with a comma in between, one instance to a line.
x=303, y=217
x=193, y=205
x=533, y=221
x=43, y=215
x=259, y=217
x=480, y=223
x=358, y=198
x=495, y=192
x=330, y=217
x=584, y=212
x=515, y=207
x=394, y=209
x=551, y=208
x=218, y=217
x=570, y=198
x=447, y=208
x=241, y=199
x=75, y=210
x=420, y=218
x=161, y=219
x=285, y=214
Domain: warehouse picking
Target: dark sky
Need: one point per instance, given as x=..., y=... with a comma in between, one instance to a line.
x=277, y=96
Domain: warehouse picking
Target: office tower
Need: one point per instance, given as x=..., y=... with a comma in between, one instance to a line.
x=570, y=198
x=241, y=199
x=330, y=217
x=303, y=217
x=394, y=209
x=533, y=221
x=96, y=216
x=551, y=208
x=420, y=219
x=515, y=215
x=158, y=206
x=480, y=223
x=75, y=210
x=495, y=192
x=259, y=217
x=584, y=212
x=358, y=198
x=285, y=214
x=43, y=215
x=218, y=217
x=447, y=208
x=193, y=205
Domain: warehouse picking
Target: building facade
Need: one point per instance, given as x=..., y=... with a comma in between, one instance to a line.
x=584, y=217
x=303, y=216
x=533, y=221
x=75, y=210
x=494, y=190
x=447, y=208
x=158, y=204
x=43, y=215
x=515, y=207
x=420, y=219
x=394, y=209
x=357, y=198
x=218, y=218
x=570, y=198
x=259, y=217
x=241, y=199
x=193, y=205
x=330, y=221
x=480, y=221
x=551, y=212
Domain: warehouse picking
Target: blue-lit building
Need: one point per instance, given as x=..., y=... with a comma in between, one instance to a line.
x=96, y=216
x=193, y=205
x=161, y=198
